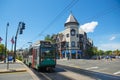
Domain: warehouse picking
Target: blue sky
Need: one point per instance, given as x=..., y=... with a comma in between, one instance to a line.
x=99, y=18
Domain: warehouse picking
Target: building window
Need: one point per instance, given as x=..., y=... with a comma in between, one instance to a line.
x=77, y=35
x=78, y=45
x=72, y=32
x=67, y=44
x=67, y=35
x=73, y=43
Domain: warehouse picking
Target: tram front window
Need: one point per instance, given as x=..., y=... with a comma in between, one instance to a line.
x=48, y=53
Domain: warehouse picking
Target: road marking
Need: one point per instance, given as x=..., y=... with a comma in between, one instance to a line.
x=75, y=76
x=76, y=66
x=117, y=73
x=92, y=68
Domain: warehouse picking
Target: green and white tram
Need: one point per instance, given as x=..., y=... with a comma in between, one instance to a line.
x=43, y=55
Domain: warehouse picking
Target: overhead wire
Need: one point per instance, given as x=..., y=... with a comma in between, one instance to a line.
x=105, y=12
x=68, y=7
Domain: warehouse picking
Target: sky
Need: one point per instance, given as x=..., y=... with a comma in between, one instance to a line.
x=100, y=19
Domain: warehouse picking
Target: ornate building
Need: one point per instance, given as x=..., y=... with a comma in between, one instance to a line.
x=72, y=41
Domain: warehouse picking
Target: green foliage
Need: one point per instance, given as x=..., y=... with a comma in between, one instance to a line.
x=116, y=52
x=109, y=52
x=89, y=52
x=100, y=52
x=50, y=38
x=19, y=58
x=2, y=48
x=95, y=50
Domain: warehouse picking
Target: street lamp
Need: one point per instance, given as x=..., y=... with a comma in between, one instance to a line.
x=6, y=41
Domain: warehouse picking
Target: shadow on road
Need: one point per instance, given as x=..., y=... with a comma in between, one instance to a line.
x=45, y=75
x=92, y=74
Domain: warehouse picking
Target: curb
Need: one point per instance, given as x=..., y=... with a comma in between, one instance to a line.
x=13, y=70
x=34, y=76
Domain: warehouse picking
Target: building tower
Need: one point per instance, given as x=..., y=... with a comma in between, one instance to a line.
x=71, y=34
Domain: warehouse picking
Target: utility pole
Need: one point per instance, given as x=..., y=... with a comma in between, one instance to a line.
x=6, y=41
x=21, y=27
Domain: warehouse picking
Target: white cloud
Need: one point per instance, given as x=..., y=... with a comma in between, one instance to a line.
x=112, y=38
x=109, y=46
x=89, y=27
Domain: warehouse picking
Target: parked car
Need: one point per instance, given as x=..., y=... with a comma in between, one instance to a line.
x=96, y=57
x=117, y=57
x=10, y=58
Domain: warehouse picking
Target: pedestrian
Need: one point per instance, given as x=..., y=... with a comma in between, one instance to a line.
x=111, y=58
x=107, y=57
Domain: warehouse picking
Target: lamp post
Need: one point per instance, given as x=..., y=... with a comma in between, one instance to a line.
x=21, y=27
x=6, y=41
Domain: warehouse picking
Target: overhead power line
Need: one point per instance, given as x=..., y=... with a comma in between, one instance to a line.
x=68, y=7
x=103, y=13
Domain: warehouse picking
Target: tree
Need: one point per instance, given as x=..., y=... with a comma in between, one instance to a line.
x=117, y=52
x=109, y=52
x=100, y=52
x=89, y=52
x=2, y=48
x=54, y=38
x=95, y=50
x=51, y=38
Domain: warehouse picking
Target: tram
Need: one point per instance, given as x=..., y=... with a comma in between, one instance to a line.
x=42, y=55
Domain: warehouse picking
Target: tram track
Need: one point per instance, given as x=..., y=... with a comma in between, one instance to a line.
x=70, y=73
x=55, y=75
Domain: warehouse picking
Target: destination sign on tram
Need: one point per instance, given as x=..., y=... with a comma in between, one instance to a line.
x=46, y=44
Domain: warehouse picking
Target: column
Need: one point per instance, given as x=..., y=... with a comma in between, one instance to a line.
x=70, y=54
x=76, y=54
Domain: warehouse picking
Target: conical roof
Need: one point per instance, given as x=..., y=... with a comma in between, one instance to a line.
x=71, y=20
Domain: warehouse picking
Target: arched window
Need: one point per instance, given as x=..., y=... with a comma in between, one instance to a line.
x=67, y=44
x=73, y=32
x=73, y=43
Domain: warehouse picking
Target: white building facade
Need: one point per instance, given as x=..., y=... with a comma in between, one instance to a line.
x=74, y=40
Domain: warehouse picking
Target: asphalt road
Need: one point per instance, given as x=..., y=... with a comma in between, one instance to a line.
x=62, y=72
x=82, y=70
x=102, y=66
x=73, y=70
x=93, y=75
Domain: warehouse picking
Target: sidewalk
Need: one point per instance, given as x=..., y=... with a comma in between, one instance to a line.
x=12, y=67
x=18, y=66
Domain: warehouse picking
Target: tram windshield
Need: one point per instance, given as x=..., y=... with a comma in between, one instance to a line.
x=48, y=52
